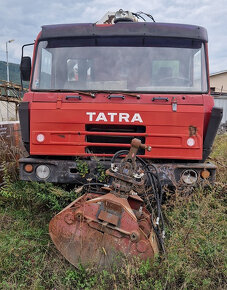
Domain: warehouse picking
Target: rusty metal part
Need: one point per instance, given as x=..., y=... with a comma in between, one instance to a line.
x=100, y=229
x=127, y=175
x=135, y=145
x=192, y=131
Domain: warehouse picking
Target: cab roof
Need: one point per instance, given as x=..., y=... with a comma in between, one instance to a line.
x=124, y=29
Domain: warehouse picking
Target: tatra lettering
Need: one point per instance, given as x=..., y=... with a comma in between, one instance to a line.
x=123, y=116
x=101, y=117
x=137, y=118
x=90, y=114
x=114, y=117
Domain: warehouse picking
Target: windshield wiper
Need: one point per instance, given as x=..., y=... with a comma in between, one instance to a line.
x=131, y=95
x=112, y=94
x=89, y=94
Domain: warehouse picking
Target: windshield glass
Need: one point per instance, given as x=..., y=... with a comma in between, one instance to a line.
x=148, y=66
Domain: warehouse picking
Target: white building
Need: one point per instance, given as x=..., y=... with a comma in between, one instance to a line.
x=218, y=82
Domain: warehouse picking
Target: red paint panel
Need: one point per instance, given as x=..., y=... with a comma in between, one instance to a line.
x=166, y=131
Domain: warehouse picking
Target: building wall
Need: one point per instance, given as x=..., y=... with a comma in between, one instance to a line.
x=219, y=81
x=10, y=133
x=221, y=102
x=8, y=111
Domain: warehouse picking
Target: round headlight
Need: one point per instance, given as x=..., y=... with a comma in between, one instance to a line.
x=43, y=172
x=189, y=176
x=191, y=142
x=40, y=138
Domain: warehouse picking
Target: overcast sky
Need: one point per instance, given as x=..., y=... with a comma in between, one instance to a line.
x=22, y=20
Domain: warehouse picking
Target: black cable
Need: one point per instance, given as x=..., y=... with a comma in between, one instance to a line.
x=158, y=198
x=139, y=16
x=158, y=234
x=78, y=181
x=94, y=183
x=148, y=15
x=92, y=190
x=150, y=176
x=119, y=153
x=154, y=182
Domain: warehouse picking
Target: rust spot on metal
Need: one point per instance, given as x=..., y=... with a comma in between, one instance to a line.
x=69, y=218
x=108, y=217
x=112, y=206
x=192, y=131
x=142, y=246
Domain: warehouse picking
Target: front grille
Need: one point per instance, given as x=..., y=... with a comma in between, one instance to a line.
x=115, y=128
x=112, y=134
x=111, y=139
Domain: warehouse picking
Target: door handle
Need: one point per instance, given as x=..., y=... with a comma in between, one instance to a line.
x=73, y=97
x=160, y=99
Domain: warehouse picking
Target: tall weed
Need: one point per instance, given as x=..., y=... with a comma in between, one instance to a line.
x=33, y=195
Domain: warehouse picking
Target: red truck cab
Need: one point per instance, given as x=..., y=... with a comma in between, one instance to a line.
x=93, y=88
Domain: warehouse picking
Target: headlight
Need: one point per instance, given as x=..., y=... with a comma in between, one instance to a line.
x=191, y=142
x=43, y=172
x=40, y=138
x=189, y=176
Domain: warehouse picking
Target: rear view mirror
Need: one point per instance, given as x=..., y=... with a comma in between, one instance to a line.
x=25, y=68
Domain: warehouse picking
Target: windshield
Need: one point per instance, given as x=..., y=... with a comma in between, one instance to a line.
x=149, y=66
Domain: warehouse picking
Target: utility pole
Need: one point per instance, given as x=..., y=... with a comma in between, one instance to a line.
x=7, y=73
x=7, y=60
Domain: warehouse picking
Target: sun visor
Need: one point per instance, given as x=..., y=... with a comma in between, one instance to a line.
x=125, y=29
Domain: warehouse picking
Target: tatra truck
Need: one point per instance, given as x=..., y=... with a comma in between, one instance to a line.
x=116, y=85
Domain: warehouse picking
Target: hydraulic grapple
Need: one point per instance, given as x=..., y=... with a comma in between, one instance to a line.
x=100, y=228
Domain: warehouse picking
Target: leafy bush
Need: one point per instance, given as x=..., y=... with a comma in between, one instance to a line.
x=34, y=195
x=219, y=156
x=9, y=156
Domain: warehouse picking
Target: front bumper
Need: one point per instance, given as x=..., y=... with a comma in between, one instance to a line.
x=93, y=170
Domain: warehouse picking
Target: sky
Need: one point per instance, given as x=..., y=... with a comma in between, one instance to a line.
x=22, y=20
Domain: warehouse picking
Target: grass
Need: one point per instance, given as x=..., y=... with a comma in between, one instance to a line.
x=195, y=244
